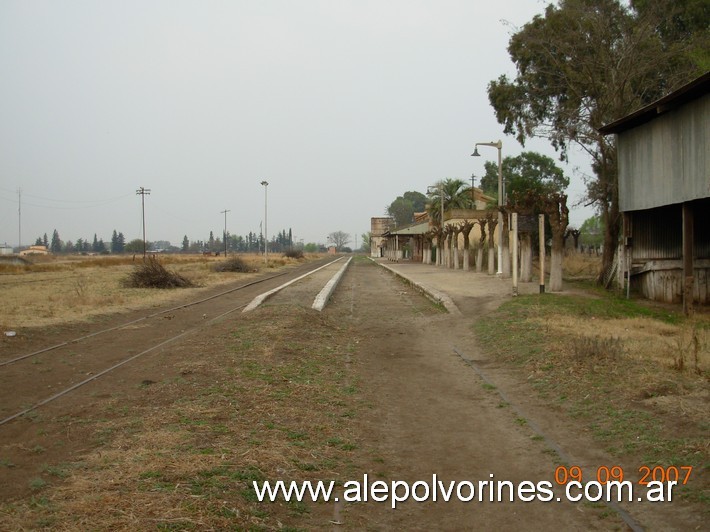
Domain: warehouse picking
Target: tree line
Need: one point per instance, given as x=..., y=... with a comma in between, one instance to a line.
x=251, y=242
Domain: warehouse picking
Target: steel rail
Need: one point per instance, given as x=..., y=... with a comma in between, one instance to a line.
x=115, y=366
x=153, y=315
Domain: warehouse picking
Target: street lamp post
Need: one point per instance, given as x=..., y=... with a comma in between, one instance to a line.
x=501, y=196
x=266, y=231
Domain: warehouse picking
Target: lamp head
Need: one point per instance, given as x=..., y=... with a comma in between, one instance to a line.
x=475, y=152
x=264, y=183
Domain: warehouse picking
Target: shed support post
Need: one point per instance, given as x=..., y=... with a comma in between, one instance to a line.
x=687, y=259
x=541, y=231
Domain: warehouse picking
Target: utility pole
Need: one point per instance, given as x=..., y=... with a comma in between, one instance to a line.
x=266, y=231
x=225, y=230
x=143, y=192
x=19, y=222
x=473, y=191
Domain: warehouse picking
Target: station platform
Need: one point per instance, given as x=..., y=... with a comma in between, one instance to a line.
x=460, y=292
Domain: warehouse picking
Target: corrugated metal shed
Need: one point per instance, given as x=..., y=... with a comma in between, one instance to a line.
x=668, y=160
x=664, y=193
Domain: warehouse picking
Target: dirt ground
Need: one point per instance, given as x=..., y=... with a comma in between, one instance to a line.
x=412, y=396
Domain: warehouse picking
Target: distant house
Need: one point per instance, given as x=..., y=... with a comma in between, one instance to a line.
x=414, y=241
x=35, y=250
x=664, y=194
x=5, y=249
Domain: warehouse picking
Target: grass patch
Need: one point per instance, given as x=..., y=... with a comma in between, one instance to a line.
x=634, y=373
x=206, y=436
x=73, y=288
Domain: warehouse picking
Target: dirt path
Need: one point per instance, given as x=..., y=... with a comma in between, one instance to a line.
x=431, y=414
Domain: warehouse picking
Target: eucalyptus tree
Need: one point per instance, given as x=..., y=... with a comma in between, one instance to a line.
x=581, y=65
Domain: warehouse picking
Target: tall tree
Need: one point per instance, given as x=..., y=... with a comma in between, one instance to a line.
x=185, y=244
x=418, y=200
x=118, y=242
x=402, y=211
x=365, y=237
x=56, y=245
x=339, y=239
x=527, y=171
x=583, y=64
x=134, y=246
x=683, y=25
x=592, y=231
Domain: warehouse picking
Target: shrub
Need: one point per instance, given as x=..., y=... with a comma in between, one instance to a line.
x=234, y=264
x=294, y=254
x=152, y=274
x=597, y=348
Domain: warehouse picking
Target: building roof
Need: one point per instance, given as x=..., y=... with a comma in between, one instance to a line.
x=691, y=91
x=409, y=230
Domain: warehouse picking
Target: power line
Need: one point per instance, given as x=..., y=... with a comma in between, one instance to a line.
x=99, y=201
x=19, y=221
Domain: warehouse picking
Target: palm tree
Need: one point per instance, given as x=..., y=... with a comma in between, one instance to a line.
x=456, y=196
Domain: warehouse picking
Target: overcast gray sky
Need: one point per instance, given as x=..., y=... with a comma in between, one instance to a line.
x=341, y=105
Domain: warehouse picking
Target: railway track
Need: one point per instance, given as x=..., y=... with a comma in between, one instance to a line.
x=33, y=379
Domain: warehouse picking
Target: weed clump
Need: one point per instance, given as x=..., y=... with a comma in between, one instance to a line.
x=294, y=254
x=598, y=348
x=234, y=264
x=152, y=274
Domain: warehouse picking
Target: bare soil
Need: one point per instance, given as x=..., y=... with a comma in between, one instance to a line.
x=381, y=383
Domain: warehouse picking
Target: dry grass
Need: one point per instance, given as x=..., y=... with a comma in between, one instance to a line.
x=580, y=266
x=59, y=289
x=637, y=374
x=642, y=339
x=262, y=402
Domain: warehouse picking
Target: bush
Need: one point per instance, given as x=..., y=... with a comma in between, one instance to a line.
x=234, y=264
x=152, y=274
x=294, y=254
